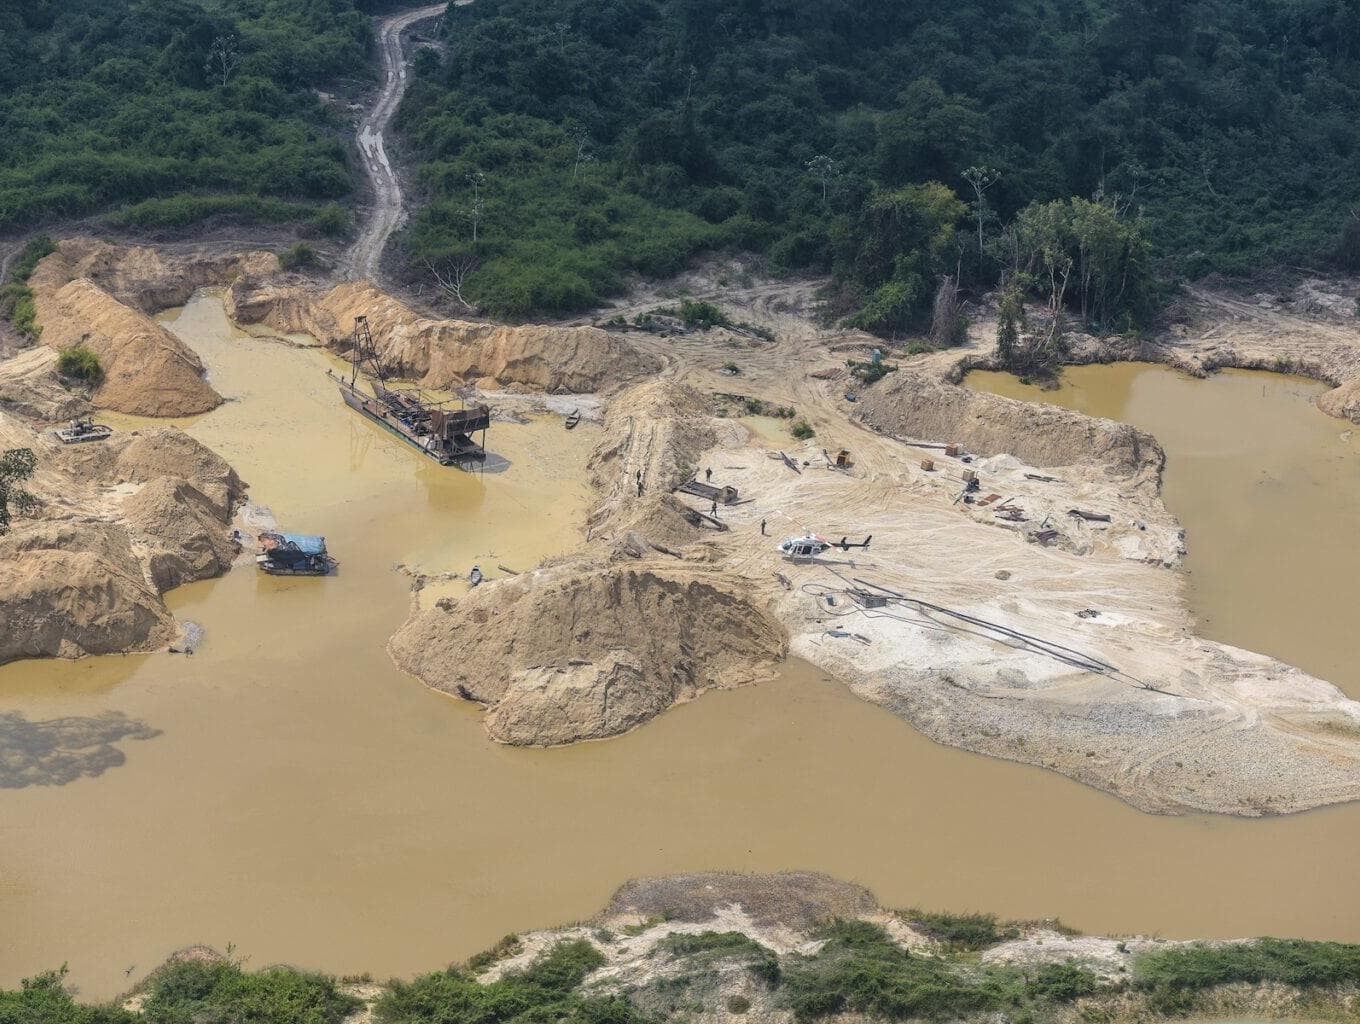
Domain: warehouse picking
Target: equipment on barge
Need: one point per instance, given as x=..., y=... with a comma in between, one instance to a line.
x=294, y=554
x=445, y=435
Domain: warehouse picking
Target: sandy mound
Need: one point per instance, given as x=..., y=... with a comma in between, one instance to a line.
x=29, y=386
x=147, y=370
x=76, y=588
x=579, y=652
x=1343, y=402
x=660, y=429
x=120, y=523
x=801, y=900
x=149, y=280
x=912, y=406
x=447, y=353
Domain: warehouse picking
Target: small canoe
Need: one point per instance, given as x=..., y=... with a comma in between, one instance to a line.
x=573, y=419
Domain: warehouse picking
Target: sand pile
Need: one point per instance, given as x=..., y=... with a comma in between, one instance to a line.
x=447, y=353
x=147, y=279
x=30, y=386
x=147, y=370
x=579, y=651
x=661, y=429
x=908, y=405
x=120, y=523
x=1343, y=402
x=73, y=588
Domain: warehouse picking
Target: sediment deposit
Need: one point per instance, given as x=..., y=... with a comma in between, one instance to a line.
x=120, y=522
x=577, y=651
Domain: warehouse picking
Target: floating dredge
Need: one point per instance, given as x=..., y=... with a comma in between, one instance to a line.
x=445, y=435
x=79, y=431
x=294, y=554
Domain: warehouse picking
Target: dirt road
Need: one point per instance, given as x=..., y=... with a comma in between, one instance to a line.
x=387, y=213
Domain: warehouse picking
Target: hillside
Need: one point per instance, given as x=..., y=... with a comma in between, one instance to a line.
x=172, y=112
x=566, y=144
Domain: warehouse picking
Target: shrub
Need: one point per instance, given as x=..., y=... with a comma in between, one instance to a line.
x=1062, y=983
x=762, y=962
x=509, y=945
x=298, y=257
x=803, y=430
x=46, y=1000
x=738, y=1004
x=702, y=315
x=196, y=991
x=79, y=363
x=1284, y=961
x=38, y=246
x=545, y=991
x=870, y=372
x=964, y=931
x=17, y=306
x=861, y=970
x=332, y=220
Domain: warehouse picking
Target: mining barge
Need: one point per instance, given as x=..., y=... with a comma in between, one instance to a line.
x=445, y=435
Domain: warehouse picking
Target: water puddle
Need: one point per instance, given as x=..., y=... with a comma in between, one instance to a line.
x=1267, y=488
x=311, y=804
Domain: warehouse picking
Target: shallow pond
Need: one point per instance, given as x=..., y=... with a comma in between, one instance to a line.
x=1268, y=490
x=311, y=804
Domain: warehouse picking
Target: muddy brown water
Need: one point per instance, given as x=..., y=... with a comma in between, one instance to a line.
x=311, y=804
x=1267, y=488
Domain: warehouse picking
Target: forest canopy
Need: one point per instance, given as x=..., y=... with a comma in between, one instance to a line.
x=155, y=105
x=566, y=143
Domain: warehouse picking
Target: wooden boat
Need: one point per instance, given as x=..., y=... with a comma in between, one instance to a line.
x=294, y=554
x=573, y=419
x=79, y=431
x=445, y=435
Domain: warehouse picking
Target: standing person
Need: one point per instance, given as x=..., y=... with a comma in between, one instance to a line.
x=715, y=508
x=639, y=483
x=762, y=527
x=708, y=475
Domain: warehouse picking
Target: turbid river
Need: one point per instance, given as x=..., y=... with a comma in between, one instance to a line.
x=1268, y=489
x=311, y=804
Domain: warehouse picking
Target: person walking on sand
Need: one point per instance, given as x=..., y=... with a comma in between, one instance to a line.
x=715, y=508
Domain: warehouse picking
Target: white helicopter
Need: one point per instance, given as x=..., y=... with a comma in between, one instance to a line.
x=811, y=545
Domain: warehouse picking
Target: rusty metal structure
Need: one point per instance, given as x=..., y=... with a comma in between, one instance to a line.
x=445, y=435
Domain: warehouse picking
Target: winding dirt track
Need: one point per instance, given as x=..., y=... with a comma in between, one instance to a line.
x=386, y=215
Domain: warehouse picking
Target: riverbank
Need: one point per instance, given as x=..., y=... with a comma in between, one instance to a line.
x=780, y=948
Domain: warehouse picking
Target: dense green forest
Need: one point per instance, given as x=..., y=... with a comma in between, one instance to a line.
x=172, y=111
x=567, y=143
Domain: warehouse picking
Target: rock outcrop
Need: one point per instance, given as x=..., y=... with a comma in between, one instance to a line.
x=579, y=651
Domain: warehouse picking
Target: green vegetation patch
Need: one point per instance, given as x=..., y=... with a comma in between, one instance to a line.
x=221, y=992
x=113, y=103
x=720, y=945
x=1172, y=977
x=80, y=363
x=962, y=931
x=546, y=991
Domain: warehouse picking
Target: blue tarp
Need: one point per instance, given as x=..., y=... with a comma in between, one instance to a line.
x=305, y=543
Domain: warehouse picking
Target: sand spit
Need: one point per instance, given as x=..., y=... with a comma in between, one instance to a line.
x=446, y=353
x=120, y=523
x=578, y=651
x=910, y=405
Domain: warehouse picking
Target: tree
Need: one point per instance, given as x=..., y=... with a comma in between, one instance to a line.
x=477, y=180
x=453, y=275
x=824, y=169
x=1010, y=321
x=581, y=138
x=980, y=179
x=223, y=58
x=16, y=465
